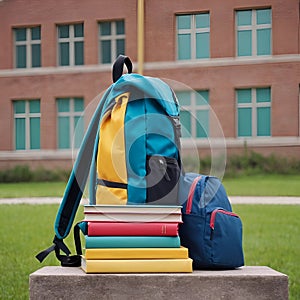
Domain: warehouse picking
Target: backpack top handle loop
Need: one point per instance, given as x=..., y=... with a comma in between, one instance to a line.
x=118, y=66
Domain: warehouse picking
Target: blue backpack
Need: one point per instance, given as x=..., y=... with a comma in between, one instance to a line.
x=130, y=152
x=210, y=230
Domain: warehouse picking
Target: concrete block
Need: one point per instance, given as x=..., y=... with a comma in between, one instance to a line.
x=241, y=284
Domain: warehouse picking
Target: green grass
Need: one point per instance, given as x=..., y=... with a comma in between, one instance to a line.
x=255, y=185
x=25, y=231
x=271, y=238
x=263, y=185
x=32, y=189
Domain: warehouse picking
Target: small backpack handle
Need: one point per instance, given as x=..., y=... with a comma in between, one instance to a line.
x=118, y=66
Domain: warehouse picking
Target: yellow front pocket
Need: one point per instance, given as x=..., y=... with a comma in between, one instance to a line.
x=111, y=157
x=109, y=195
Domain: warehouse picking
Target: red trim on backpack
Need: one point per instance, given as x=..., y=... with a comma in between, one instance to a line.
x=191, y=195
x=222, y=211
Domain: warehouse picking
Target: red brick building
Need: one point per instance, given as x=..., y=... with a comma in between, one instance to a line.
x=238, y=60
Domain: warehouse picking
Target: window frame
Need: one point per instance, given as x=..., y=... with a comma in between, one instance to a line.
x=193, y=108
x=193, y=31
x=113, y=37
x=71, y=114
x=71, y=41
x=28, y=44
x=254, y=105
x=253, y=27
x=27, y=116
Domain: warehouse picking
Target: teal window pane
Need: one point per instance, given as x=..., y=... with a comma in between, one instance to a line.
x=63, y=132
x=79, y=131
x=244, y=122
x=36, y=33
x=184, y=98
x=63, y=105
x=21, y=56
x=79, y=53
x=105, y=28
x=120, y=46
x=78, y=104
x=263, y=121
x=64, y=56
x=184, y=22
x=19, y=107
x=184, y=46
x=244, y=17
x=106, y=52
x=202, y=97
x=202, y=21
x=20, y=34
x=78, y=30
x=185, y=120
x=202, y=45
x=202, y=126
x=263, y=95
x=120, y=27
x=35, y=133
x=20, y=133
x=36, y=55
x=244, y=43
x=244, y=96
x=263, y=16
x=264, y=41
x=34, y=106
x=63, y=31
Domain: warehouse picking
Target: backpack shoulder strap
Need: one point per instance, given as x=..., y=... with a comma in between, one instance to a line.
x=75, y=187
x=78, y=178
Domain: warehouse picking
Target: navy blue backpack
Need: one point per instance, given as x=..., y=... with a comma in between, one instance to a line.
x=210, y=230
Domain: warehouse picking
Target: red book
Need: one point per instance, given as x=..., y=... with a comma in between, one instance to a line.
x=130, y=229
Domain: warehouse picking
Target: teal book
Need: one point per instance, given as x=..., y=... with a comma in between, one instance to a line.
x=132, y=242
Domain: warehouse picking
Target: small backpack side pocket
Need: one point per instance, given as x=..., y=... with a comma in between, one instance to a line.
x=225, y=231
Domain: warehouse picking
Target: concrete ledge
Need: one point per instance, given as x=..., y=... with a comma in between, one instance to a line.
x=244, y=283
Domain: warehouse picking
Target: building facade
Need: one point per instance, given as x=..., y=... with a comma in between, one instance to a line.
x=234, y=66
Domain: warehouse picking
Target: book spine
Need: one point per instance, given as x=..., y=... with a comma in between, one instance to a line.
x=132, y=242
x=137, y=218
x=132, y=229
x=136, y=253
x=137, y=266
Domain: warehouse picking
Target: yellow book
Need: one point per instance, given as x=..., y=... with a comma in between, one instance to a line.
x=137, y=265
x=136, y=253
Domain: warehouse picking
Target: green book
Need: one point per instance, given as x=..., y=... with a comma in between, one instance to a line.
x=132, y=242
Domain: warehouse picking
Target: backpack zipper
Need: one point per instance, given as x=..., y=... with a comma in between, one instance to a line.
x=213, y=218
x=191, y=195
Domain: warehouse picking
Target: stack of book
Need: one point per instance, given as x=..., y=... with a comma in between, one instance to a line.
x=134, y=239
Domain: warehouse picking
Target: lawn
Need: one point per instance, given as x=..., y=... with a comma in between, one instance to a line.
x=271, y=238
x=32, y=189
x=25, y=231
x=255, y=185
x=263, y=185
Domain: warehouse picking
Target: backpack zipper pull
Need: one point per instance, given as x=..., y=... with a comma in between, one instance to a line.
x=163, y=168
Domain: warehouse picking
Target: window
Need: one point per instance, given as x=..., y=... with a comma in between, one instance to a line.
x=111, y=41
x=254, y=31
x=70, y=45
x=253, y=112
x=27, y=124
x=27, y=47
x=194, y=115
x=193, y=35
x=70, y=122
